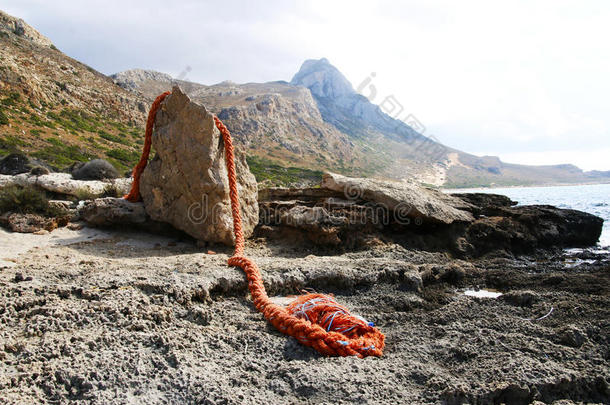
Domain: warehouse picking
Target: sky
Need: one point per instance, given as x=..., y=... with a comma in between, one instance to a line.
x=524, y=80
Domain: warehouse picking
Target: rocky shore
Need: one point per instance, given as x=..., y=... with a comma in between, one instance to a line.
x=119, y=317
x=106, y=301
x=477, y=298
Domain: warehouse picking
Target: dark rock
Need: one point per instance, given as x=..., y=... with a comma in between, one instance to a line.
x=524, y=229
x=572, y=336
x=345, y=212
x=15, y=163
x=482, y=201
x=28, y=223
x=39, y=171
x=521, y=298
x=97, y=169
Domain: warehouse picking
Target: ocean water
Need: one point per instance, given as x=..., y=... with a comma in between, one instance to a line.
x=591, y=198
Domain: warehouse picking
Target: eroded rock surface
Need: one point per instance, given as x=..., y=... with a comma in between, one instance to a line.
x=137, y=318
x=31, y=223
x=113, y=211
x=408, y=200
x=348, y=213
x=186, y=183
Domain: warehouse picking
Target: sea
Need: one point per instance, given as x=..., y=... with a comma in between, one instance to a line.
x=591, y=198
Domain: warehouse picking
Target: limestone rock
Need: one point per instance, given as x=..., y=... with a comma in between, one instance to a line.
x=112, y=211
x=186, y=183
x=20, y=28
x=322, y=79
x=132, y=79
x=63, y=183
x=31, y=223
x=407, y=200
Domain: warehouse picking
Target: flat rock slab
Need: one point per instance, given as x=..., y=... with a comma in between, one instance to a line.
x=405, y=200
x=63, y=183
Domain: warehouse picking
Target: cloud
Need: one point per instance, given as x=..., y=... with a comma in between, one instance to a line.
x=510, y=79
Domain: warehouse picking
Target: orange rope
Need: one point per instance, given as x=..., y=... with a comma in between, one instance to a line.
x=134, y=193
x=315, y=320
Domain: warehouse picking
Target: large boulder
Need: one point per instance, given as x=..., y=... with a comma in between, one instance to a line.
x=186, y=183
x=405, y=199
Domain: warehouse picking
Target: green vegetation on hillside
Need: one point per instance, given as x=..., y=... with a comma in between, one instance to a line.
x=265, y=170
x=64, y=135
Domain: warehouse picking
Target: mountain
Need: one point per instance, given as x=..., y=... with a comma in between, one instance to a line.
x=318, y=121
x=60, y=111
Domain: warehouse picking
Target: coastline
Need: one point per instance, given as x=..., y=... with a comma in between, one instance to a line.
x=469, y=189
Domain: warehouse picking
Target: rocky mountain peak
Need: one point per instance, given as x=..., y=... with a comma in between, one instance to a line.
x=322, y=79
x=19, y=27
x=131, y=79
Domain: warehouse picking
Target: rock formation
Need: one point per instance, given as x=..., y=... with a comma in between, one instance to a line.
x=111, y=211
x=406, y=199
x=348, y=213
x=63, y=183
x=21, y=29
x=186, y=183
x=32, y=223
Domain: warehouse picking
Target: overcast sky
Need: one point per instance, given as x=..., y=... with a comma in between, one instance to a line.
x=526, y=81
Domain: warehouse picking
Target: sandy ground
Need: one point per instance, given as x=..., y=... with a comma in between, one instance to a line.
x=107, y=317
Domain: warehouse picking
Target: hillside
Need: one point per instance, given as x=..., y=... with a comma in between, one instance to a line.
x=59, y=110
x=317, y=121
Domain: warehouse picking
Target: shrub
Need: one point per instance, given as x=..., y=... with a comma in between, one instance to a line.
x=112, y=138
x=27, y=200
x=3, y=118
x=55, y=141
x=12, y=99
x=277, y=175
x=84, y=194
x=97, y=169
x=112, y=190
x=62, y=155
x=123, y=155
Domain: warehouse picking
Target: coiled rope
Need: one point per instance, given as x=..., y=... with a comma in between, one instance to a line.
x=315, y=320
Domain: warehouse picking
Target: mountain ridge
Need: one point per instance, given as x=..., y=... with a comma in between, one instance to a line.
x=439, y=165
x=60, y=111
